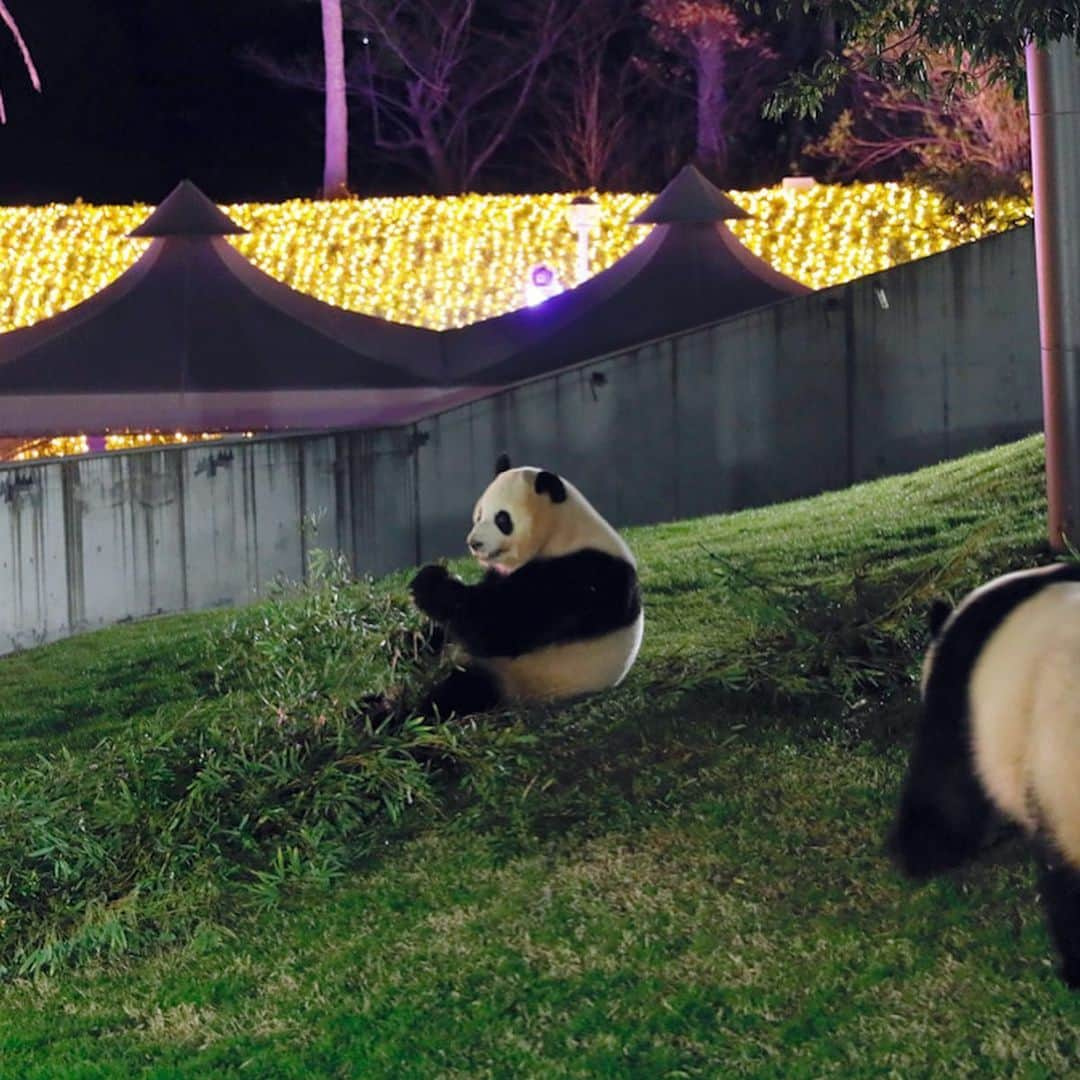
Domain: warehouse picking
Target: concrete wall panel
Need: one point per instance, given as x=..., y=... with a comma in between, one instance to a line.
x=123, y=525
x=320, y=495
x=33, y=560
x=952, y=363
x=380, y=471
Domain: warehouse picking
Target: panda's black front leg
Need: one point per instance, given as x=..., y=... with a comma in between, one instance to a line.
x=437, y=594
x=483, y=617
x=463, y=692
x=1059, y=884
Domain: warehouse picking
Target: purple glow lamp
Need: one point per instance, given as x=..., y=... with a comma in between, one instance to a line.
x=541, y=284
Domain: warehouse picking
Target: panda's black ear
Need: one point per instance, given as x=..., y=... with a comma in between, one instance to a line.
x=936, y=616
x=502, y=463
x=547, y=483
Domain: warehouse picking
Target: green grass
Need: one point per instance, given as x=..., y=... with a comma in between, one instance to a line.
x=79, y=690
x=681, y=878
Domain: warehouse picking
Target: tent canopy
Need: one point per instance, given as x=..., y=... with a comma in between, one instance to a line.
x=691, y=270
x=194, y=337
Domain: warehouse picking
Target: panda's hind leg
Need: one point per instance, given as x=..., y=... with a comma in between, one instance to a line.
x=1059, y=884
x=464, y=691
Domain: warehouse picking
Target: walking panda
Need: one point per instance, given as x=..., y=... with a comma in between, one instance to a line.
x=558, y=612
x=1000, y=731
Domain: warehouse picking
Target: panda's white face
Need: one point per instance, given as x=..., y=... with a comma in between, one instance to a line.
x=510, y=522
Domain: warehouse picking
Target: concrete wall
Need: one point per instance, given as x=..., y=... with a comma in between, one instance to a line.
x=920, y=363
x=815, y=393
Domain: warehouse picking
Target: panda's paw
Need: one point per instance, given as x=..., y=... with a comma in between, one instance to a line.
x=435, y=592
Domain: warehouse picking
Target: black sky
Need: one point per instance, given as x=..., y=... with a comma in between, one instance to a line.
x=138, y=94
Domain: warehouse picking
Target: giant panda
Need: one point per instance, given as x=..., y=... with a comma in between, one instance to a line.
x=1000, y=735
x=558, y=612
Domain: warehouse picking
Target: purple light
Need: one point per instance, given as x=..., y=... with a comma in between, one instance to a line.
x=541, y=284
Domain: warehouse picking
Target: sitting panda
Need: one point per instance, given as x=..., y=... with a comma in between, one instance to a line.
x=558, y=612
x=1000, y=735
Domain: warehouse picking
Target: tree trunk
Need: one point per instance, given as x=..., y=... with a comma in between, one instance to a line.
x=446, y=177
x=711, y=150
x=336, y=146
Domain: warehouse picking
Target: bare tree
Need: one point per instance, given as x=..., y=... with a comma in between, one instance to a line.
x=336, y=138
x=28, y=60
x=325, y=75
x=446, y=80
x=731, y=64
x=587, y=123
x=970, y=139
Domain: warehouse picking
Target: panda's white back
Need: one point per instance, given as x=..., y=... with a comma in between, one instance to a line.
x=585, y=527
x=564, y=671
x=1025, y=714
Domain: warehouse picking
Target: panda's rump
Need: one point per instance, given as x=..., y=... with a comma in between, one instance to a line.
x=568, y=669
x=1025, y=714
x=1055, y=750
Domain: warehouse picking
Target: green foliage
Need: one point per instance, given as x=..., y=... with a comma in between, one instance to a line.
x=804, y=93
x=293, y=766
x=899, y=35
x=314, y=650
x=681, y=877
x=88, y=686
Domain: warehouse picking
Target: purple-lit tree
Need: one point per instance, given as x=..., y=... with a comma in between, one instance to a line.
x=336, y=137
x=970, y=139
x=446, y=80
x=731, y=64
x=327, y=78
x=28, y=60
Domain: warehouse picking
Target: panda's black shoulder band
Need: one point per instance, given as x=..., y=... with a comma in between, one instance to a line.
x=548, y=602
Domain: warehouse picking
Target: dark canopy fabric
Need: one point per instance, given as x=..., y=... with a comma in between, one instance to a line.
x=691, y=270
x=193, y=314
x=195, y=327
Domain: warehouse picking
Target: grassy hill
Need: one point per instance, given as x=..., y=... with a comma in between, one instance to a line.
x=225, y=849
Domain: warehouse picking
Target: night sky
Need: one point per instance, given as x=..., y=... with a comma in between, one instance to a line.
x=139, y=94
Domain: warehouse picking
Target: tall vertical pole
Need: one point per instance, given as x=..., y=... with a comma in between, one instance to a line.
x=336, y=135
x=1053, y=76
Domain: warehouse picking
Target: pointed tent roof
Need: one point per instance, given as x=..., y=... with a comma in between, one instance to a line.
x=194, y=336
x=689, y=199
x=691, y=270
x=186, y=211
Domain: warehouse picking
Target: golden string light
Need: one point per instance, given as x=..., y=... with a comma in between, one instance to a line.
x=443, y=262
x=66, y=445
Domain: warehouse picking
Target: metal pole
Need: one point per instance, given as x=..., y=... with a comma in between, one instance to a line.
x=1053, y=76
x=582, y=269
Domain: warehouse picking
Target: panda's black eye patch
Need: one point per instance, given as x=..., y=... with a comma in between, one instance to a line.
x=504, y=523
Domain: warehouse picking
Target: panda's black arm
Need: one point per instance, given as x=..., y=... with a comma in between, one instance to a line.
x=545, y=602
